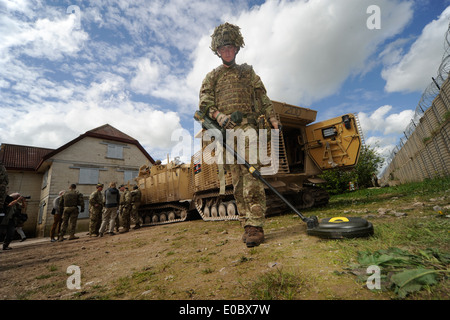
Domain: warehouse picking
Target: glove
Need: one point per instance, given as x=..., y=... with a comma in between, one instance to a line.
x=274, y=123
x=224, y=121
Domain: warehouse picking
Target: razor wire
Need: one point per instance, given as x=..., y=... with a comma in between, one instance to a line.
x=426, y=100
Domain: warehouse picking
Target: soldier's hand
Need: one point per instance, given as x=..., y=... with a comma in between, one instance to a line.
x=274, y=123
x=222, y=119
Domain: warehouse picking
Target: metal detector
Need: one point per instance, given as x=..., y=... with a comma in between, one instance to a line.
x=329, y=228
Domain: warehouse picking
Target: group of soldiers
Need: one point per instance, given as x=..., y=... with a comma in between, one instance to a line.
x=127, y=210
x=108, y=210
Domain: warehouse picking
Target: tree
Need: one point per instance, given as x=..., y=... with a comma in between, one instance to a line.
x=361, y=175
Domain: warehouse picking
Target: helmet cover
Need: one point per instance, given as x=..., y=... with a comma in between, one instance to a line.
x=226, y=34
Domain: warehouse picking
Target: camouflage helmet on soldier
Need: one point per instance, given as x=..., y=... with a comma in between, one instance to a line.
x=226, y=34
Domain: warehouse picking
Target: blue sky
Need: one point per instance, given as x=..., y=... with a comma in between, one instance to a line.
x=67, y=67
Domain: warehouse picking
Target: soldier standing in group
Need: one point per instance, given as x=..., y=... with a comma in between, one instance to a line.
x=57, y=217
x=232, y=88
x=112, y=199
x=68, y=205
x=135, y=203
x=4, y=181
x=6, y=221
x=125, y=208
x=95, y=210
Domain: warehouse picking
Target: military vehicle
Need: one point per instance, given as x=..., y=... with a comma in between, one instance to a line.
x=166, y=192
x=175, y=192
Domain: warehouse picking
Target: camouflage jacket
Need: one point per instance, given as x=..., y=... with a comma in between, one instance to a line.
x=125, y=198
x=4, y=181
x=235, y=88
x=136, y=196
x=71, y=198
x=96, y=199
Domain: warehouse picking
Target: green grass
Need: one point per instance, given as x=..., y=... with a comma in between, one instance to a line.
x=277, y=285
x=427, y=188
x=422, y=228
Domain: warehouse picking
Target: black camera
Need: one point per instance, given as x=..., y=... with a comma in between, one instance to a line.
x=26, y=197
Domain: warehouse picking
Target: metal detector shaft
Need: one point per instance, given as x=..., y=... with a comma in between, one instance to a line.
x=208, y=123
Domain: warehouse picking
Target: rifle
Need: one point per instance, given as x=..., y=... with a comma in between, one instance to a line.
x=311, y=222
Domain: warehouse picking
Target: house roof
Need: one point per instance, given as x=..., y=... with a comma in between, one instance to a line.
x=26, y=158
x=16, y=157
x=107, y=132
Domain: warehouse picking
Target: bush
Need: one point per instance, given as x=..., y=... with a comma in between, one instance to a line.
x=361, y=175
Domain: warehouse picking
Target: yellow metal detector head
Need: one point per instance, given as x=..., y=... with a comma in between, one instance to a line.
x=342, y=227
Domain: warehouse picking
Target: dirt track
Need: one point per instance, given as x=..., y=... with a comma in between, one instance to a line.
x=189, y=260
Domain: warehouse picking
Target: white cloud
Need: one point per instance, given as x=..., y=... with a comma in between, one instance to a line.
x=383, y=145
x=147, y=77
x=42, y=38
x=53, y=124
x=412, y=71
x=396, y=123
x=305, y=50
x=381, y=121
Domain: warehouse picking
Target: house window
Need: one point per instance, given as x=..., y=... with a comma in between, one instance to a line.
x=44, y=180
x=115, y=151
x=41, y=211
x=88, y=176
x=129, y=175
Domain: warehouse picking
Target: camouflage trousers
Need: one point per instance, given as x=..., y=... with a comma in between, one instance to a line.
x=95, y=215
x=69, y=220
x=125, y=212
x=250, y=196
x=248, y=190
x=135, y=214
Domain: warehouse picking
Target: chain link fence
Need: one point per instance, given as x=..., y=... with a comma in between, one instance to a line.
x=424, y=151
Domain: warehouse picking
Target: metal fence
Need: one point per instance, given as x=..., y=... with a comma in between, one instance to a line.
x=424, y=151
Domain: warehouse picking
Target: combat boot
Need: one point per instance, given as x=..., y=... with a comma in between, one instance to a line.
x=255, y=236
x=244, y=236
x=73, y=237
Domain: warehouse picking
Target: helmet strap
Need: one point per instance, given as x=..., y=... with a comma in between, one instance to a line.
x=230, y=63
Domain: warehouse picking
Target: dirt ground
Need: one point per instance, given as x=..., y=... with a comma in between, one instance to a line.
x=198, y=260
x=188, y=260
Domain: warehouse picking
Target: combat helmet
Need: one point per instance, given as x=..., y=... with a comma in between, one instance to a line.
x=225, y=34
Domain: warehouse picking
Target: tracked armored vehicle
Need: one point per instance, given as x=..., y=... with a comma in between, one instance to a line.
x=172, y=193
x=166, y=193
x=304, y=151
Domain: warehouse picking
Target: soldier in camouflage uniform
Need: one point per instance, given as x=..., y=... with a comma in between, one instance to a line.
x=4, y=181
x=95, y=210
x=7, y=226
x=135, y=203
x=68, y=205
x=125, y=208
x=232, y=88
